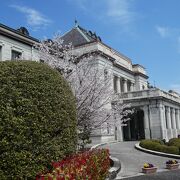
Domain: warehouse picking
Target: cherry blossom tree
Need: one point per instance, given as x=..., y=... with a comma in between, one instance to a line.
x=90, y=82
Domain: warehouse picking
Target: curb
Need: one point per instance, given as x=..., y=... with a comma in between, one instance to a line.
x=113, y=171
x=138, y=147
x=97, y=145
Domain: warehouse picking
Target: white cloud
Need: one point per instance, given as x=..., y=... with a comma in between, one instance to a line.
x=163, y=31
x=115, y=11
x=34, y=18
x=171, y=34
x=120, y=10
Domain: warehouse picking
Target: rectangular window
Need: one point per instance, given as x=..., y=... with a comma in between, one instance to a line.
x=16, y=55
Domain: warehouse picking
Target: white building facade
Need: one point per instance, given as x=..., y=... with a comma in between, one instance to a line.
x=157, y=113
x=17, y=44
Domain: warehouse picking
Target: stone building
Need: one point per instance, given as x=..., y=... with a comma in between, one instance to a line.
x=157, y=112
x=17, y=44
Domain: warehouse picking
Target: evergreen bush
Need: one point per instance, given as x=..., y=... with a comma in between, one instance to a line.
x=158, y=145
x=37, y=118
x=174, y=142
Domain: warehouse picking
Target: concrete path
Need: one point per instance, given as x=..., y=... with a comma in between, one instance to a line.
x=132, y=160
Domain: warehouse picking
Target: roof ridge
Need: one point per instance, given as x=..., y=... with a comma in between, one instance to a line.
x=89, y=33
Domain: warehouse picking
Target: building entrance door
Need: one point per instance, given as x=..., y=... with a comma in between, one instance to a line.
x=135, y=127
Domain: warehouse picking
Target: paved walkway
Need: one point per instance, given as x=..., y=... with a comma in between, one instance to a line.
x=132, y=160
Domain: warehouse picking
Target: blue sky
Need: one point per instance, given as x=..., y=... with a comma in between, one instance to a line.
x=147, y=31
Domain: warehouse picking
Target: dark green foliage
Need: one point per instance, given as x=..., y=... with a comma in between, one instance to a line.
x=158, y=145
x=84, y=138
x=37, y=118
x=171, y=150
x=174, y=142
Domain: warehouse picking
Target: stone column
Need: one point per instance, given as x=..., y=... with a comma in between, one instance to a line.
x=173, y=118
x=118, y=85
x=177, y=119
x=162, y=121
x=125, y=85
x=146, y=122
x=168, y=117
x=119, y=133
x=173, y=122
x=178, y=122
x=169, y=127
x=131, y=87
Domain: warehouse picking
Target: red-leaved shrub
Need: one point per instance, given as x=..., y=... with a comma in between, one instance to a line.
x=87, y=165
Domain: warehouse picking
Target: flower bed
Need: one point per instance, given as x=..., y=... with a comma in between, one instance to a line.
x=87, y=165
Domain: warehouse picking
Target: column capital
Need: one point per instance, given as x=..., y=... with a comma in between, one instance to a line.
x=124, y=79
x=167, y=109
x=145, y=108
x=177, y=111
x=173, y=110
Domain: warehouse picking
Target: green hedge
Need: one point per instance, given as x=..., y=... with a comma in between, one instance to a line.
x=174, y=142
x=158, y=145
x=37, y=118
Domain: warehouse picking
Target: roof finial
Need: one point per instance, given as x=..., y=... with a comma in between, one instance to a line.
x=76, y=23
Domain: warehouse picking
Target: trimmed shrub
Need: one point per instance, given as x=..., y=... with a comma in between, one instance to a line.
x=174, y=142
x=150, y=144
x=37, y=118
x=171, y=150
x=87, y=165
x=158, y=145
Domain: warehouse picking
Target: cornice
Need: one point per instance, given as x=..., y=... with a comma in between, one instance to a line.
x=14, y=34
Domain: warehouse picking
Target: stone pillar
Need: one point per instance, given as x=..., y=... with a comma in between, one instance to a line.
x=125, y=85
x=146, y=122
x=118, y=85
x=169, y=127
x=131, y=87
x=119, y=133
x=168, y=117
x=177, y=119
x=129, y=129
x=163, y=122
x=174, y=123
x=173, y=118
x=178, y=122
